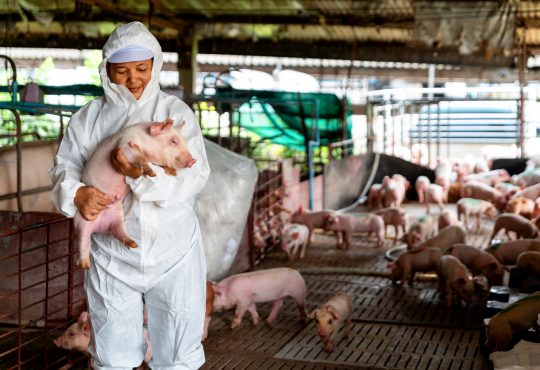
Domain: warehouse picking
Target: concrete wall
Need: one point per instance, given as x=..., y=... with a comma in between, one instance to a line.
x=345, y=179
x=37, y=159
x=297, y=192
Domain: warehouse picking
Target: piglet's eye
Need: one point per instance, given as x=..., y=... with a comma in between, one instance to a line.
x=330, y=321
x=174, y=141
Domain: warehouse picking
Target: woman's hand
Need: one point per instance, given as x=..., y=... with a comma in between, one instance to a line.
x=90, y=202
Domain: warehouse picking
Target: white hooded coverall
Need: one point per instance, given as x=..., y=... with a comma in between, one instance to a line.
x=168, y=267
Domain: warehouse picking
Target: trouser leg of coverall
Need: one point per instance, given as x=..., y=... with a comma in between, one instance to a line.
x=116, y=318
x=176, y=308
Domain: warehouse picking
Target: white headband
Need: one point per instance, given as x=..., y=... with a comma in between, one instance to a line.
x=130, y=53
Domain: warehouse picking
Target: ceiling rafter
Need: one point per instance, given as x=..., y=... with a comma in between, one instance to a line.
x=159, y=21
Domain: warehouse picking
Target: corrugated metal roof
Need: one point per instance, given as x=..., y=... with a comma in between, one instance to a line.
x=482, y=27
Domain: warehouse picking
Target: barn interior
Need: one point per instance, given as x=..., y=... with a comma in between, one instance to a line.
x=309, y=103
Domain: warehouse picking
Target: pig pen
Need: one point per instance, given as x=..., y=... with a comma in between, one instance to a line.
x=41, y=289
x=393, y=327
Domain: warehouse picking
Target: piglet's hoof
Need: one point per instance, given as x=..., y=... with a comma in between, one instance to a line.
x=235, y=324
x=84, y=263
x=129, y=243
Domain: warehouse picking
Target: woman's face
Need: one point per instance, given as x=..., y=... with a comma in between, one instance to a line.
x=133, y=75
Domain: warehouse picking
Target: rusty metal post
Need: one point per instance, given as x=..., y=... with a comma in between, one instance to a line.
x=522, y=58
x=19, y=159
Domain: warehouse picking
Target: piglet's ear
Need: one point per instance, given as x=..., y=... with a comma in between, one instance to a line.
x=333, y=312
x=85, y=327
x=83, y=316
x=158, y=127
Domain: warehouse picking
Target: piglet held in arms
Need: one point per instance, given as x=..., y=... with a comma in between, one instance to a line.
x=130, y=151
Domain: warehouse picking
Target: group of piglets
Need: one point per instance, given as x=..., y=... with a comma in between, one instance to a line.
x=458, y=266
x=243, y=291
x=298, y=231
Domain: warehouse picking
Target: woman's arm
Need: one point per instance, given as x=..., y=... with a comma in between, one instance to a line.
x=69, y=194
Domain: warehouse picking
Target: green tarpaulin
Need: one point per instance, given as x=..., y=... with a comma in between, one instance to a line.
x=280, y=116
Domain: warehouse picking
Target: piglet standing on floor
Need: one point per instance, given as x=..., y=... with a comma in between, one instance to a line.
x=409, y=263
x=471, y=207
x=329, y=317
x=455, y=278
x=445, y=239
x=244, y=290
x=312, y=219
x=521, y=206
x=129, y=152
x=348, y=225
x=420, y=230
x=394, y=216
x=420, y=186
x=374, y=196
x=480, y=190
x=507, y=252
x=521, y=226
x=294, y=240
x=479, y=262
x=434, y=194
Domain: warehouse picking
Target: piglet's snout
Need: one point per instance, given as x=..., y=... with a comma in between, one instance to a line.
x=191, y=162
x=58, y=341
x=185, y=161
x=323, y=333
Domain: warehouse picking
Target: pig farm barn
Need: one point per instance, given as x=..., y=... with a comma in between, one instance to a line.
x=373, y=124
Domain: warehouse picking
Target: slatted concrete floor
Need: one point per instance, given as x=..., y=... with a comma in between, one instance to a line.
x=393, y=327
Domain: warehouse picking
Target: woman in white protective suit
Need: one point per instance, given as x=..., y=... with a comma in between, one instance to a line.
x=168, y=268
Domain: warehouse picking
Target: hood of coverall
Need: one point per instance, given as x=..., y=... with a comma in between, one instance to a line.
x=134, y=33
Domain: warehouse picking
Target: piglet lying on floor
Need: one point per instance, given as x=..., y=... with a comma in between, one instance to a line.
x=129, y=152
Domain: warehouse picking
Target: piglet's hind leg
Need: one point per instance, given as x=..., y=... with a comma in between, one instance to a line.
x=112, y=221
x=276, y=306
x=83, y=231
x=118, y=230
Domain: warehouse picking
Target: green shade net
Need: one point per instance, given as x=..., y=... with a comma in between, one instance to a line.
x=277, y=116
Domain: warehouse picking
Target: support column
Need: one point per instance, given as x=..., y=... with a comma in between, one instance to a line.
x=522, y=61
x=187, y=59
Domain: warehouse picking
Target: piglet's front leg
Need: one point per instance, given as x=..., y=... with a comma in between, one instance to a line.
x=134, y=168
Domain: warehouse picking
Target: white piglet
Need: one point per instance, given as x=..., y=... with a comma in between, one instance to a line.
x=245, y=290
x=294, y=240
